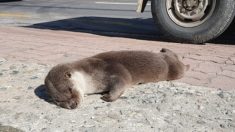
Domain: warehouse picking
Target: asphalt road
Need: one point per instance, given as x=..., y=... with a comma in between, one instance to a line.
x=98, y=16
x=59, y=9
x=102, y=17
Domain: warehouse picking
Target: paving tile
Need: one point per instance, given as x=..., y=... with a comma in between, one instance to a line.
x=227, y=73
x=222, y=82
x=209, y=67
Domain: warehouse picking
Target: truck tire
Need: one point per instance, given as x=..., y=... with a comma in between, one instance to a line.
x=193, y=21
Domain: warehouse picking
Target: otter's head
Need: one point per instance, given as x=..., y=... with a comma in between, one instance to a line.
x=176, y=67
x=61, y=87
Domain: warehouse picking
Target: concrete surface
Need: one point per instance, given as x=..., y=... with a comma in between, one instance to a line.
x=162, y=107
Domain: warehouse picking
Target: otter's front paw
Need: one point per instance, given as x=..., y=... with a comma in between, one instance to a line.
x=107, y=98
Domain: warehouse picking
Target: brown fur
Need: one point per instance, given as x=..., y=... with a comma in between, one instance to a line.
x=113, y=72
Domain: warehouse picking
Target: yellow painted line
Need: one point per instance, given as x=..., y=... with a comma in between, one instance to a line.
x=116, y=3
x=18, y=15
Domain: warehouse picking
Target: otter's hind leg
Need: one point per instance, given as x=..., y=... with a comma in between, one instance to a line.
x=116, y=89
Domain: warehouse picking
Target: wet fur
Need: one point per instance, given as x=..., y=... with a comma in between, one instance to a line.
x=111, y=72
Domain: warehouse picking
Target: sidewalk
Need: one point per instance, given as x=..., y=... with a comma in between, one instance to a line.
x=212, y=65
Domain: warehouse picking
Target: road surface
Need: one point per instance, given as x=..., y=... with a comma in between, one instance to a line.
x=102, y=17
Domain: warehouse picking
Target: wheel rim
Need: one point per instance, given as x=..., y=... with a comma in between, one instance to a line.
x=190, y=13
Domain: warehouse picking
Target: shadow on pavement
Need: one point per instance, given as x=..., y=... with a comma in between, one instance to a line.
x=5, y=1
x=228, y=37
x=40, y=91
x=137, y=28
x=117, y=27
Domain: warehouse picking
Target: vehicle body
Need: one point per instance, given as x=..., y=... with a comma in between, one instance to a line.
x=194, y=21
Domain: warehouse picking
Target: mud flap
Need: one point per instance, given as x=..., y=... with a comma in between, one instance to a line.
x=141, y=5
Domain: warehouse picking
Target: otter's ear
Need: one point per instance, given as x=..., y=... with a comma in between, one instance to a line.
x=67, y=75
x=166, y=50
x=163, y=50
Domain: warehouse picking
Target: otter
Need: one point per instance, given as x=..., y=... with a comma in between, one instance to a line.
x=110, y=73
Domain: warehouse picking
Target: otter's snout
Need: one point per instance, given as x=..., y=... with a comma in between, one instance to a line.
x=71, y=104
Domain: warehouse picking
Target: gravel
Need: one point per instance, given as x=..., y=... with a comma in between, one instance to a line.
x=164, y=106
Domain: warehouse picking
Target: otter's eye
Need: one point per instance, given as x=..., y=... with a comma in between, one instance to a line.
x=68, y=75
x=70, y=90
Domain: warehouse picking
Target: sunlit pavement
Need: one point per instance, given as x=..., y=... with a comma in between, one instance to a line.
x=60, y=31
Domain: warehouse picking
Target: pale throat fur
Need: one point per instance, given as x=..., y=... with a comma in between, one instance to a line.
x=83, y=83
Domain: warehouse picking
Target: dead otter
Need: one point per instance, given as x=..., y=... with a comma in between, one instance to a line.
x=110, y=73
